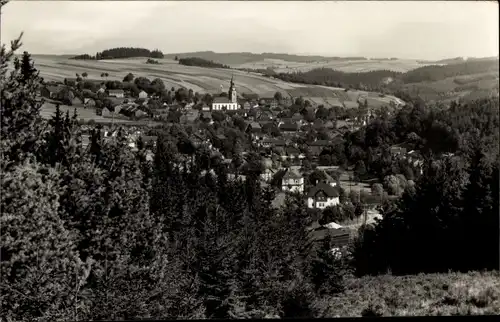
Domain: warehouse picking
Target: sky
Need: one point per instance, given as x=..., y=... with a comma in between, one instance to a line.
x=403, y=29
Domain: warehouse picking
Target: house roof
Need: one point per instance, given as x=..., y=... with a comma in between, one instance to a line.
x=297, y=117
x=149, y=138
x=331, y=192
x=254, y=125
x=274, y=142
x=207, y=115
x=289, y=127
x=292, y=150
x=221, y=100
x=290, y=174
x=54, y=89
x=116, y=91
x=319, y=143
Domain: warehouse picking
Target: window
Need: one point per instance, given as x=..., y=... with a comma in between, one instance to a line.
x=321, y=204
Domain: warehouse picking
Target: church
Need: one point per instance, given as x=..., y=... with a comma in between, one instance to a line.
x=229, y=103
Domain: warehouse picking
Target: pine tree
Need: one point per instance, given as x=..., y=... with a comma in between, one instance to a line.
x=28, y=70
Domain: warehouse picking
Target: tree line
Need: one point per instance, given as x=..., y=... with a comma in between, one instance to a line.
x=200, y=62
x=122, y=52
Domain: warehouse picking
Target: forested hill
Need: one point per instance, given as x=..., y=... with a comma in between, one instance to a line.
x=122, y=52
x=451, y=76
x=245, y=57
x=330, y=77
x=435, y=73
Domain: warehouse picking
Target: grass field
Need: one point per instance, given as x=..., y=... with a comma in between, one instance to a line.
x=422, y=295
x=282, y=66
x=202, y=80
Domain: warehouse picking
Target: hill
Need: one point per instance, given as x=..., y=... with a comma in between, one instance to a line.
x=202, y=80
x=246, y=57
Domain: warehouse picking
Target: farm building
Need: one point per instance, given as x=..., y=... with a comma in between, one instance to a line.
x=51, y=92
x=253, y=127
x=323, y=195
x=118, y=93
x=268, y=102
x=288, y=126
x=88, y=102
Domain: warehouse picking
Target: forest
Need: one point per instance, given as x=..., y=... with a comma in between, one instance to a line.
x=104, y=233
x=200, y=62
x=374, y=80
x=121, y=52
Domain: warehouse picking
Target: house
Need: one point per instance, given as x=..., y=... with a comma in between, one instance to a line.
x=398, y=151
x=198, y=139
x=297, y=117
x=322, y=195
x=270, y=102
x=205, y=108
x=88, y=102
x=288, y=127
x=253, y=128
x=246, y=105
x=266, y=142
x=290, y=152
x=292, y=181
x=105, y=112
x=143, y=95
x=118, y=93
x=316, y=147
x=51, y=92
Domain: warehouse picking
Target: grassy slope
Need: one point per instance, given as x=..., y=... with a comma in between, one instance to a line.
x=174, y=75
x=425, y=294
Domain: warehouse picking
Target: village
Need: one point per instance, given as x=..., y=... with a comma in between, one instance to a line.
x=290, y=136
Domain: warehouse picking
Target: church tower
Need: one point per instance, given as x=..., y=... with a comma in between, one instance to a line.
x=232, y=92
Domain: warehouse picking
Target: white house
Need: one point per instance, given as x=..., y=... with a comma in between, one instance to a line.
x=293, y=182
x=118, y=93
x=323, y=195
x=143, y=94
x=229, y=103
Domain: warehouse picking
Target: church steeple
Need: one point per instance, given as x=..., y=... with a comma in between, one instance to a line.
x=232, y=91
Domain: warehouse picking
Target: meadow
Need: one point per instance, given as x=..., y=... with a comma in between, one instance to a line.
x=476, y=293
x=202, y=80
x=350, y=66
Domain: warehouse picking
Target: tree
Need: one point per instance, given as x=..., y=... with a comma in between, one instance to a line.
x=278, y=96
x=85, y=74
x=359, y=170
x=129, y=78
x=28, y=70
x=33, y=260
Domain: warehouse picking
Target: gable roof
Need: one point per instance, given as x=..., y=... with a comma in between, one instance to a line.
x=319, y=143
x=331, y=192
x=54, y=89
x=290, y=174
x=221, y=100
x=289, y=127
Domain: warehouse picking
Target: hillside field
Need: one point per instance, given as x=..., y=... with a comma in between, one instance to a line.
x=351, y=66
x=419, y=295
x=202, y=80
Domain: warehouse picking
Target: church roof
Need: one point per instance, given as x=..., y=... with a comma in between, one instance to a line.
x=221, y=100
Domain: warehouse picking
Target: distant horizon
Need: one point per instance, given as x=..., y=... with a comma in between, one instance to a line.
x=273, y=53
x=417, y=30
